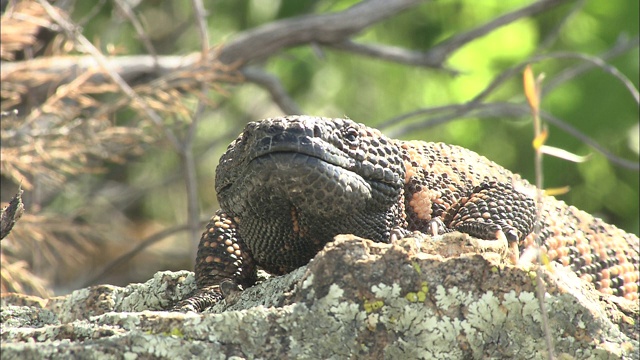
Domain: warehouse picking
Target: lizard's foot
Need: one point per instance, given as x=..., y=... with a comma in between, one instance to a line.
x=488, y=231
x=204, y=298
x=492, y=232
x=492, y=209
x=230, y=291
x=398, y=233
x=437, y=227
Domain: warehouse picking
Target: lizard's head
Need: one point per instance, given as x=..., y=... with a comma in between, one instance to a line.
x=328, y=167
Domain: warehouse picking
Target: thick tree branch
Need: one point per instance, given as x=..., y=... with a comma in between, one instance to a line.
x=325, y=28
x=252, y=44
x=438, y=55
x=333, y=29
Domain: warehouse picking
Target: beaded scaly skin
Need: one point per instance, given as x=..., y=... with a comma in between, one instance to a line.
x=286, y=186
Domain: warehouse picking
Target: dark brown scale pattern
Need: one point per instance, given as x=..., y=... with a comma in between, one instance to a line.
x=286, y=186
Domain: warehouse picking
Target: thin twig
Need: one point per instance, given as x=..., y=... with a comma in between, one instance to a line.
x=504, y=110
x=623, y=45
x=200, y=14
x=136, y=250
x=126, y=10
x=461, y=109
x=186, y=151
x=548, y=41
x=442, y=51
x=393, y=53
x=598, y=62
x=92, y=13
x=272, y=84
x=532, y=93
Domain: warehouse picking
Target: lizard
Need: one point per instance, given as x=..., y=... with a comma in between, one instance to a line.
x=286, y=186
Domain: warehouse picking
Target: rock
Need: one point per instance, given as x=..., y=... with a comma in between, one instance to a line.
x=456, y=298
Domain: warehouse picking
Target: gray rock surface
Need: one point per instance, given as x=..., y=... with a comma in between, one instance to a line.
x=456, y=298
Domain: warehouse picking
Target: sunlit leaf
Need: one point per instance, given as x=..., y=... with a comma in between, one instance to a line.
x=562, y=154
x=546, y=261
x=557, y=191
x=538, y=141
x=531, y=89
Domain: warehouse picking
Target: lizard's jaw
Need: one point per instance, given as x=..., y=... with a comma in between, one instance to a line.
x=293, y=179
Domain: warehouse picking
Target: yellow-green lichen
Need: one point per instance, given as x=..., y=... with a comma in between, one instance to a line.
x=424, y=287
x=412, y=297
x=416, y=267
x=629, y=320
x=371, y=306
x=420, y=295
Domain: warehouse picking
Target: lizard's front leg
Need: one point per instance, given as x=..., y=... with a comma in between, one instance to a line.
x=490, y=209
x=222, y=260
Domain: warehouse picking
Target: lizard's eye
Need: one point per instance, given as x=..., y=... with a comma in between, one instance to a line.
x=351, y=136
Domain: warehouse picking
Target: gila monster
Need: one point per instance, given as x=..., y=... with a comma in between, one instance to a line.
x=286, y=186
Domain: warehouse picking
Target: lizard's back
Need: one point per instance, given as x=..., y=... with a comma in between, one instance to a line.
x=439, y=176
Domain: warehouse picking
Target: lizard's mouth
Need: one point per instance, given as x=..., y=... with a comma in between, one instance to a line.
x=305, y=147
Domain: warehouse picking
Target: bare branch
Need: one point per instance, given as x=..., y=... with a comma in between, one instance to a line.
x=201, y=20
x=126, y=10
x=274, y=87
x=502, y=110
x=459, y=110
x=393, y=53
x=442, y=51
x=623, y=45
x=598, y=62
x=325, y=28
x=136, y=250
x=252, y=44
x=436, y=56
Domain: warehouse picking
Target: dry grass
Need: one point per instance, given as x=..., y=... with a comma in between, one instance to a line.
x=20, y=26
x=69, y=124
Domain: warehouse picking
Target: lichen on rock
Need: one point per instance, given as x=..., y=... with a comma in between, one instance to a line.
x=356, y=298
